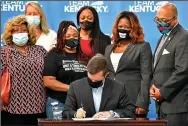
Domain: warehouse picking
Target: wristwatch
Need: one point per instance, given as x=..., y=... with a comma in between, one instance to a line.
x=112, y=113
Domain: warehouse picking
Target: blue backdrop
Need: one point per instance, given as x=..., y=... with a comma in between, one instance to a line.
x=56, y=11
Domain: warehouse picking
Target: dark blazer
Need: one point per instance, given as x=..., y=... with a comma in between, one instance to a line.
x=170, y=73
x=134, y=70
x=114, y=97
x=102, y=44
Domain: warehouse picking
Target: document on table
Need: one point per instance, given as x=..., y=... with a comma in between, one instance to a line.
x=90, y=119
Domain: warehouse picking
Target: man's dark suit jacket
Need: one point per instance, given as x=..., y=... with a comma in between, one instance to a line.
x=170, y=73
x=114, y=97
x=134, y=70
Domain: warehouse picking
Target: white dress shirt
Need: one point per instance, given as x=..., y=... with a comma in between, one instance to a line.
x=97, y=95
x=115, y=57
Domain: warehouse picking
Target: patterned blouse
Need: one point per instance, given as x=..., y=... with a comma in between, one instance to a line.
x=28, y=94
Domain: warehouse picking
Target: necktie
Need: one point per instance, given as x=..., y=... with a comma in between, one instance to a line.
x=159, y=48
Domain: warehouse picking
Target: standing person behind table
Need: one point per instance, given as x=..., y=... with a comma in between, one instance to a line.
x=170, y=72
x=130, y=60
x=25, y=64
x=92, y=39
x=36, y=18
x=61, y=68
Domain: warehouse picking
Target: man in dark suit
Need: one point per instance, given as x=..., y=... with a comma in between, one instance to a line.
x=98, y=96
x=170, y=72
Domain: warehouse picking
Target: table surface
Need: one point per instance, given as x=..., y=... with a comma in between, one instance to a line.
x=132, y=122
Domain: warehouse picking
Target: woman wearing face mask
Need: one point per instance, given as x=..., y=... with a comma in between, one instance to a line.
x=61, y=68
x=25, y=64
x=92, y=39
x=130, y=60
x=37, y=19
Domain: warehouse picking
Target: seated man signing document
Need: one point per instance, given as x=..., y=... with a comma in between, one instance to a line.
x=98, y=96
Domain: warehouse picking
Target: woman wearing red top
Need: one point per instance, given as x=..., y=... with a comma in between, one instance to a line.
x=92, y=39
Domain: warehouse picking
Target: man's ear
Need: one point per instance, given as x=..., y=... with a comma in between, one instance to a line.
x=175, y=20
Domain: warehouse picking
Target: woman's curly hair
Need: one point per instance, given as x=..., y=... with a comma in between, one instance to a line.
x=10, y=26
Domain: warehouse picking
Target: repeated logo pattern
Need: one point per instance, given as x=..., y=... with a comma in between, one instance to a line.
x=28, y=94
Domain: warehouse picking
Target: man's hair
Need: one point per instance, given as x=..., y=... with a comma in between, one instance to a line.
x=96, y=64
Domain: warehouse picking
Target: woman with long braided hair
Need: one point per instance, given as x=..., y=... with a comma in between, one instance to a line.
x=61, y=68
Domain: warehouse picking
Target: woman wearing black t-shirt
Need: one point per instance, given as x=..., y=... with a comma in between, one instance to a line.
x=61, y=67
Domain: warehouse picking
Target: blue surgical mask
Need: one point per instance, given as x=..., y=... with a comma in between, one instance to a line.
x=20, y=39
x=33, y=20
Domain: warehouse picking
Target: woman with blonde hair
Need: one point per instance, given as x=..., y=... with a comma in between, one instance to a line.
x=25, y=64
x=37, y=19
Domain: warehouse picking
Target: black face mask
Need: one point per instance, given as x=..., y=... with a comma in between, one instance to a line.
x=86, y=25
x=96, y=84
x=123, y=34
x=71, y=43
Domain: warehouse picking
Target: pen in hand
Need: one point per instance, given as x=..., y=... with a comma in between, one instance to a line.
x=82, y=106
x=80, y=112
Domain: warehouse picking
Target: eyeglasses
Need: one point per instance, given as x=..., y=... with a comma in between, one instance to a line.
x=163, y=20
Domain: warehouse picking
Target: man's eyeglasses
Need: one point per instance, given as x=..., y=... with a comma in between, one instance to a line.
x=163, y=20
